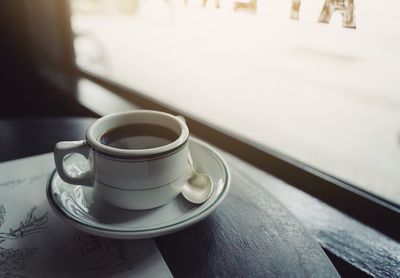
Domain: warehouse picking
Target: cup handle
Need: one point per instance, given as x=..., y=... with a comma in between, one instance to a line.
x=64, y=148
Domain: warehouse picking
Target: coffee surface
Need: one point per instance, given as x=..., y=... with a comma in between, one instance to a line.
x=138, y=136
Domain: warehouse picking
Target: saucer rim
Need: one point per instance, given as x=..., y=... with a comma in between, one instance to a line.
x=155, y=231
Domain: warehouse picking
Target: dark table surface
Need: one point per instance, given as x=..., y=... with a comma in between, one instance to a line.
x=250, y=235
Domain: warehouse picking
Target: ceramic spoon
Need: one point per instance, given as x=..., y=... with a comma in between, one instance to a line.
x=198, y=187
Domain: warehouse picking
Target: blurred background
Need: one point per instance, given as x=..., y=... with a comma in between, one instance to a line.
x=323, y=94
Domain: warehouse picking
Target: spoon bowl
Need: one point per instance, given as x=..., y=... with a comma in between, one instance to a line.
x=198, y=188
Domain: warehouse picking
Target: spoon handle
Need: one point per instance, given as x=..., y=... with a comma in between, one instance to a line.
x=191, y=163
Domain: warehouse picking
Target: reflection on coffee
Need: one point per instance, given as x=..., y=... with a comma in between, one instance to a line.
x=138, y=136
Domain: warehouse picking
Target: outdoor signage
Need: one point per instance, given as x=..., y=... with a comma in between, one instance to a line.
x=344, y=7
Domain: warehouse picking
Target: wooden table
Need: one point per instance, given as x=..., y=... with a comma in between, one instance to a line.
x=250, y=235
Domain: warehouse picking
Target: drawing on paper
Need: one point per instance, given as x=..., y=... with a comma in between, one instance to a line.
x=99, y=253
x=13, y=260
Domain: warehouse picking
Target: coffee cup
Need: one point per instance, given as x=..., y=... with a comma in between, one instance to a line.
x=137, y=159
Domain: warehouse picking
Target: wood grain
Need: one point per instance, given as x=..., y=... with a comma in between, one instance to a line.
x=371, y=252
x=250, y=235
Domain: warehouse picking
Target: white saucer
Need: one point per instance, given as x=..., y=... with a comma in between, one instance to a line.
x=75, y=204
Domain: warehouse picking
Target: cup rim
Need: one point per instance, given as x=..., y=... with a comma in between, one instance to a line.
x=139, y=153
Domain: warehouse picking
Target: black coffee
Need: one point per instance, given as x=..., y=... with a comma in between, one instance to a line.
x=138, y=136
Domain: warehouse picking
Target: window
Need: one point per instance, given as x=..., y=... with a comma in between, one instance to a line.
x=324, y=94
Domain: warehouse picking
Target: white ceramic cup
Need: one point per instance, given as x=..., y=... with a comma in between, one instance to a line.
x=133, y=179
